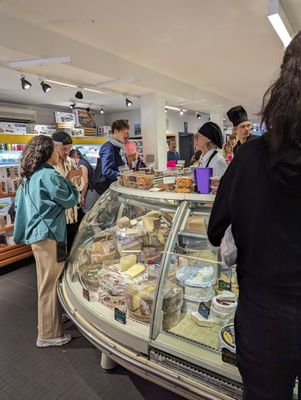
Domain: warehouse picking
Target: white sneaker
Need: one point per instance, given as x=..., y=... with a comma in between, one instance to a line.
x=59, y=341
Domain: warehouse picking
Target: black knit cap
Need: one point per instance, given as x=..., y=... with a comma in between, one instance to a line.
x=61, y=138
x=213, y=132
x=237, y=115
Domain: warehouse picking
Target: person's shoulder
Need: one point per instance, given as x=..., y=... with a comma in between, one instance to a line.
x=252, y=145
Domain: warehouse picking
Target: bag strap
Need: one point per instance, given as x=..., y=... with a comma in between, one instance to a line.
x=210, y=158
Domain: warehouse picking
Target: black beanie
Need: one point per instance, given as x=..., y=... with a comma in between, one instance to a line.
x=61, y=138
x=213, y=132
x=237, y=115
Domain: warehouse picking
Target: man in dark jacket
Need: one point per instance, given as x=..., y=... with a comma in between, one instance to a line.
x=111, y=157
x=242, y=126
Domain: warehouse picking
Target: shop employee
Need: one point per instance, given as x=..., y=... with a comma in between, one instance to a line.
x=207, y=140
x=242, y=126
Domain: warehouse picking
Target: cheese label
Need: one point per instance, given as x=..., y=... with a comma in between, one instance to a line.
x=169, y=180
x=222, y=285
x=203, y=310
x=229, y=357
x=120, y=316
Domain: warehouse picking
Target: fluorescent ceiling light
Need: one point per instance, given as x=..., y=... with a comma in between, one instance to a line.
x=175, y=108
x=94, y=90
x=39, y=61
x=280, y=22
x=60, y=83
x=116, y=82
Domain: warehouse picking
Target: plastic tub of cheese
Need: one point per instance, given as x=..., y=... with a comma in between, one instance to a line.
x=193, y=305
x=199, y=293
x=222, y=311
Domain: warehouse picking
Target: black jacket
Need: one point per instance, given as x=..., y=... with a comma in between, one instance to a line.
x=238, y=144
x=260, y=195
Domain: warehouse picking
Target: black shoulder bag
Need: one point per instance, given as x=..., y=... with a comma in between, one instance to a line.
x=61, y=247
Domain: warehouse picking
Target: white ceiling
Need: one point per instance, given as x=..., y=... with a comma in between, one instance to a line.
x=200, y=54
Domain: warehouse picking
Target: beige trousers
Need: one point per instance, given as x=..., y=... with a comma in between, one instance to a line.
x=48, y=271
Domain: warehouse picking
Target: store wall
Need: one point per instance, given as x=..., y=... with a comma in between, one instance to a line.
x=133, y=116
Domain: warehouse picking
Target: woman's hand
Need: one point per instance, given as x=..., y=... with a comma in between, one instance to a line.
x=73, y=173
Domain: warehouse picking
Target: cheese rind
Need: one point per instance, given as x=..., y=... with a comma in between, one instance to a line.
x=201, y=321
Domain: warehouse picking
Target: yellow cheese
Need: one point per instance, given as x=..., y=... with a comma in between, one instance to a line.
x=135, y=270
x=148, y=224
x=127, y=261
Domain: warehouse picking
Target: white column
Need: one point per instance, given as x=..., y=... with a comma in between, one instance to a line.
x=153, y=126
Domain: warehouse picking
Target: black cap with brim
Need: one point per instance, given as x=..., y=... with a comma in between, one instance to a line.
x=237, y=115
x=213, y=132
x=61, y=138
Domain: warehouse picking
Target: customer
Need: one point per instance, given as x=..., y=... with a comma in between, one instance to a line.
x=241, y=124
x=207, y=140
x=172, y=153
x=134, y=160
x=228, y=152
x=111, y=157
x=63, y=144
x=260, y=196
x=88, y=196
x=41, y=200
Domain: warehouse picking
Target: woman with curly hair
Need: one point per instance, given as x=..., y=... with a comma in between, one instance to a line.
x=41, y=200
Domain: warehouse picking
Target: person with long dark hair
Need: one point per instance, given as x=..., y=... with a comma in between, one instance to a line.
x=41, y=201
x=262, y=204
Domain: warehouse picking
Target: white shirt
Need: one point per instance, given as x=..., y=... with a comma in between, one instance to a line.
x=217, y=163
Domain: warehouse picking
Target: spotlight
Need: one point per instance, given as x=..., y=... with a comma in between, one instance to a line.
x=181, y=112
x=128, y=103
x=198, y=115
x=88, y=109
x=102, y=111
x=25, y=84
x=72, y=106
x=79, y=95
x=166, y=109
x=46, y=88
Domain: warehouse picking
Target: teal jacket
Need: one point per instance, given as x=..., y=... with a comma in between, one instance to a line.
x=40, y=206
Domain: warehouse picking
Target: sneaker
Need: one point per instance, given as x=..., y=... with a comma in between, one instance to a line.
x=59, y=341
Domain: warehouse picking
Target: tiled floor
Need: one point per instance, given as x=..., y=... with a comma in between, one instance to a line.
x=71, y=372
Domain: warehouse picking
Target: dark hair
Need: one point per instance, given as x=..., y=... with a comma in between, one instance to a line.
x=36, y=153
x=120, y=124
x=62, y=137
x=281, y=103
x=75, y=152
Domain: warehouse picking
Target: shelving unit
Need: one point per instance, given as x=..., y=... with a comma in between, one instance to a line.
x=13, y=253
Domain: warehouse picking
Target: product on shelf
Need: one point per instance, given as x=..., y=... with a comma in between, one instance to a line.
x=151, y=255
x=184, y=181
x=187, y=189
x=197, y=223
x=135, y=271
x=214, y=183
x=201, y=321
x=112, y=280
x=111, y=301
x=198, y=276
x=90, y=279
x=127, y=262
x=123, y=222
x=222, y=311
x=103, y=249
x=227, y=337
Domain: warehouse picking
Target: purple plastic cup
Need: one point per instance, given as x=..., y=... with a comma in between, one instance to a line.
x=202, y=179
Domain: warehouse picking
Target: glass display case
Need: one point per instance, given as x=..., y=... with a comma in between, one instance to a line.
x=144, y=285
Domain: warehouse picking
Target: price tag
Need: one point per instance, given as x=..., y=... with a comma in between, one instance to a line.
x=86, y=294
x=229, y=357
x=120, y=316
x=169, y=180
x=204, y=311
x=222, y=285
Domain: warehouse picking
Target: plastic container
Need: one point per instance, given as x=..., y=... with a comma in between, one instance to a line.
x=201, y=178
x=144, y=182
x=169, y=183
x=184, y=181
x=199, y=277
x=186, y=189
x=222, y=311
x=199, y=293
x=214, y=183
x=227, y=338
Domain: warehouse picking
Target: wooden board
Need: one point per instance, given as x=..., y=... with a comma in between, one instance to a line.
x=14, y=259
x=14, y=251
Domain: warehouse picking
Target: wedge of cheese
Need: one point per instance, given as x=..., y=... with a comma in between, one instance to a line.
x=201, y=321
x=135, y=271
x=127, y=262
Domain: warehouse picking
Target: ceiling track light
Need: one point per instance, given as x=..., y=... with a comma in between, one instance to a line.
x=198, y=115
x=88, y=109
x=181, y=112
x=46, y=88
x=25, y=84
x=102, y=111
x=128, y=102
x=166, y=109
x=72, y=106
x=79, y=95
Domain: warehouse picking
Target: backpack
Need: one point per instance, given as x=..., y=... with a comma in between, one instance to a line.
x=100, y=183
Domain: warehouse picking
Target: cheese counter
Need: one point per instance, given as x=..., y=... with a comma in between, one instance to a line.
x=144, y=285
